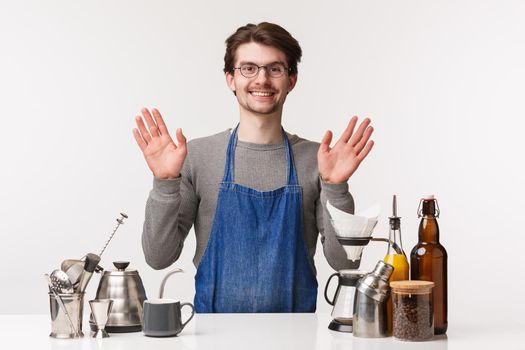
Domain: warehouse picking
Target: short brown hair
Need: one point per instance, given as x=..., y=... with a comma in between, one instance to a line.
x=266, y=34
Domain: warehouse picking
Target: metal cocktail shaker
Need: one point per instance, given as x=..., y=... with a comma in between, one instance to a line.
x=370, y=314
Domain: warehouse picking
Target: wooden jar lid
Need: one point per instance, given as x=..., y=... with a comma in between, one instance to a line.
x=414, y=286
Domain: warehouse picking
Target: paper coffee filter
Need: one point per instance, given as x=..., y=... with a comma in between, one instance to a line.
x=353, y=253
x=349, y=225
x=371, y=213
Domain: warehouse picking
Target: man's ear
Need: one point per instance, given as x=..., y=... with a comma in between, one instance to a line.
x=293, y=81
x=230, y=81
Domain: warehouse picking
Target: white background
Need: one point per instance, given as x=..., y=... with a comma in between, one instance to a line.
x=442, y=81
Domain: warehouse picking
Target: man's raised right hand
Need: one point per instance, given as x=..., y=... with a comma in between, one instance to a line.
x=164, y=158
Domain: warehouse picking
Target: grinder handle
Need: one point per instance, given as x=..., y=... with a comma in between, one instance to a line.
x=91, y=263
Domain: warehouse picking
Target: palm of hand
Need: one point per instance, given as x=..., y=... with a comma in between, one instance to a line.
x=164, y=158
x=337, y=164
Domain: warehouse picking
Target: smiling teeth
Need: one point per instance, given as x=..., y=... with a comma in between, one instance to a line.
x=255, y=93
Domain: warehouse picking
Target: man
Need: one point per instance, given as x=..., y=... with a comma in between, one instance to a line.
x=256, y=194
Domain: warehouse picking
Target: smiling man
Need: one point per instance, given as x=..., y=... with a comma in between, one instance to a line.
x=255, y=194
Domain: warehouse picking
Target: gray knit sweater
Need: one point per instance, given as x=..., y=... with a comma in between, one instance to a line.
x=173, y=206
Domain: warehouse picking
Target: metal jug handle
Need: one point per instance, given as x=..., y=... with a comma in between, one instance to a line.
x=163, y=283
x=331, y=302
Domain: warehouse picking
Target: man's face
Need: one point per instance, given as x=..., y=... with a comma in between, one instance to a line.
x=262, y=94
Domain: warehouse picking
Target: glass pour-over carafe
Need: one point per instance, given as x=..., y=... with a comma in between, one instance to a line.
x=343, y=300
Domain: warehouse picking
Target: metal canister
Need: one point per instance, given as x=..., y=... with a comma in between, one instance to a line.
x=370, y=313
x=67, y=323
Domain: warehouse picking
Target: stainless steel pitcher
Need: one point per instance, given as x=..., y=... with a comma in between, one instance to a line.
x=126, y=290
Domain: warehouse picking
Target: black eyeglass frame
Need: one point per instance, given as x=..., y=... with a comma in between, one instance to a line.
x=287, y=69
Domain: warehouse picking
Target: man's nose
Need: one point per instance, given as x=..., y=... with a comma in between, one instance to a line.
x=262, y=74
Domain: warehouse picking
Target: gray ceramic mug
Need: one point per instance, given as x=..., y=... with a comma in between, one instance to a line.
x=162, y=317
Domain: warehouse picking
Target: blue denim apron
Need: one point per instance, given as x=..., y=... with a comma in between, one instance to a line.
x=256, y=259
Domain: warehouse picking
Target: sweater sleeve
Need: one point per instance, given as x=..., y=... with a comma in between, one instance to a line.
x=340, y=198
x=170, y=213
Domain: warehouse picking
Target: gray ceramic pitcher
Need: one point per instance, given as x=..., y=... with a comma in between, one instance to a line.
x=162, y=317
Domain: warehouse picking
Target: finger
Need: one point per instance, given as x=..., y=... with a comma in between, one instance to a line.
x=361, y=144
x=154, y=130
x=325, y=142
x=365, y=151
x=181, y=139
x=140, y=141
x=359, y=133
x=142, y=128
x=160, y=122
x=349, y=130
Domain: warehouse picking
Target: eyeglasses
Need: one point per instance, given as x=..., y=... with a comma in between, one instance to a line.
x=275, y=70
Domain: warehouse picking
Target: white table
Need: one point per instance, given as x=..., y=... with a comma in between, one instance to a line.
x=257, y=331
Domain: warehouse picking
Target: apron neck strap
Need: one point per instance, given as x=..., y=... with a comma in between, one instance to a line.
x=230, y=157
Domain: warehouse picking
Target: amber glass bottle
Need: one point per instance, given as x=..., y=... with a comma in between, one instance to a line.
x=428, y=260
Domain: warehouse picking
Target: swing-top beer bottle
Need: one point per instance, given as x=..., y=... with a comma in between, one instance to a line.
x=428, y=260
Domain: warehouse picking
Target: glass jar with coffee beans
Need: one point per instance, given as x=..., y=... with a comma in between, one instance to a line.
x=413, y=313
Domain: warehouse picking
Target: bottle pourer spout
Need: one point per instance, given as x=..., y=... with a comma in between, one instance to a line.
x=394, y=206
x=395, y=221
